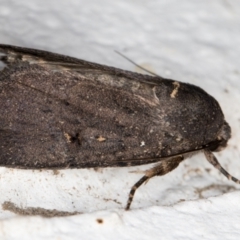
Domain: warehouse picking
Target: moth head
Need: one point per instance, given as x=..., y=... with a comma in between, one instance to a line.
x=221, y=141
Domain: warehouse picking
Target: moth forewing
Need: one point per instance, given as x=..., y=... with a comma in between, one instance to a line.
x=60, y=112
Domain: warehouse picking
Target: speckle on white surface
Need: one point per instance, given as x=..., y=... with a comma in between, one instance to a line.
x=189, y=41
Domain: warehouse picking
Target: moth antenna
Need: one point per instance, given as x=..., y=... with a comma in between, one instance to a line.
x=131, y=61
x=213, y=160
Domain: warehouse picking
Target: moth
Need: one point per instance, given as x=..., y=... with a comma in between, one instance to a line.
x=61, y=112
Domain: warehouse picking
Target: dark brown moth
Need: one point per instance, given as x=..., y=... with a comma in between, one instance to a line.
x=61, y=112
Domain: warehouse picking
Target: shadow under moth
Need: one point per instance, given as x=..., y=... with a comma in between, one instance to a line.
x=60, y=112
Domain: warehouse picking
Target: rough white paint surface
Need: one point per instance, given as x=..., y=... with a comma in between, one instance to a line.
x=192, y=41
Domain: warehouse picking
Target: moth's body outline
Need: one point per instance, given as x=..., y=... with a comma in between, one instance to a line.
x=71, y=113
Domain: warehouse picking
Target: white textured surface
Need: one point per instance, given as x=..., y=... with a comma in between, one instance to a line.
x=191, y=41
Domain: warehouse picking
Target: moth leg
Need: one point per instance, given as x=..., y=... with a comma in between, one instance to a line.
x=213, y=160
x=160, y=169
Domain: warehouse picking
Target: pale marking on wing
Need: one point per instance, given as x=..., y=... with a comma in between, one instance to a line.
x=101, y=139
x=175, y=90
